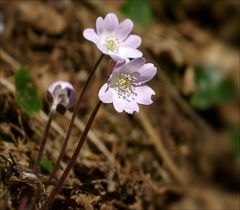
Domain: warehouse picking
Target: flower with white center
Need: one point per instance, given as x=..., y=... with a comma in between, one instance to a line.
x=113, y=38
x=126, y=86
x=62, y=95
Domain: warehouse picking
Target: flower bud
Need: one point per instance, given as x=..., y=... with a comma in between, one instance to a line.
x=62, y=95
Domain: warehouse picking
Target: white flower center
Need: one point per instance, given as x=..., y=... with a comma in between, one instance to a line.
x=111, y=44
x=125, y=86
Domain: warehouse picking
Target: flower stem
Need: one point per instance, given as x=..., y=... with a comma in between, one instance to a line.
x=43, y=143
x=62, y=152
x=73, y=158
x=24, y=200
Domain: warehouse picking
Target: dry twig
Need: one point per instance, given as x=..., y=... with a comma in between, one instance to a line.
x=157, y=141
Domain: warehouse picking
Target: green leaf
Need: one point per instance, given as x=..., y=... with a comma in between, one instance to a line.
x=27, y=96
x=46, y=164
x=225, y=91
x=235, y=137
x=4, y=193
x=212, y=88
x=201, y=99
x=139, y=11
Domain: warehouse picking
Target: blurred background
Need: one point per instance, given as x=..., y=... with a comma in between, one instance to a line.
x=194, y=117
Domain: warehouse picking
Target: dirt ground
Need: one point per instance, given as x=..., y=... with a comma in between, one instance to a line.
x=123, y=163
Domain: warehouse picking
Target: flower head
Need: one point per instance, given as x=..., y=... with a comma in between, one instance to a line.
x=113, y=38
x=126, y=86
x=62, y=95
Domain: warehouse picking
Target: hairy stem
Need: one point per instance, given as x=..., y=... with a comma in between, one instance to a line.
x=24, y=200
x=73, y=158
x=43, y=143
x=62, y=152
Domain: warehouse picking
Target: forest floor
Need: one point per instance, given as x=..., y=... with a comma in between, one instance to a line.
x=121, y=165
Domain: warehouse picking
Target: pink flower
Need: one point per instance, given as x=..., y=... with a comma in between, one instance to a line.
x=62, y=95
x=112, y=38
x=126, y=86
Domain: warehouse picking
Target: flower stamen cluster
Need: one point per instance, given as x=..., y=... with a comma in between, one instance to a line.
x=111, y=44
x=125, y=86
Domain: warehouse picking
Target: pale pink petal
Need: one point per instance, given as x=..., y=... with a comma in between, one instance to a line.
x=147, y=72
x=90, y=35
x=101, y=48
x=116, y=70
x=130, y=106
x=69, y=100
x=117, y=58
x=144, y=94
x=132, y=41
x=105, y=94
x=100, y=26
x=72, y=98
x=119, y=64
x=133, y=65
x=129, y=52
x=111, y=22
x=117, y=103
x=62, y=84
x=124, y=29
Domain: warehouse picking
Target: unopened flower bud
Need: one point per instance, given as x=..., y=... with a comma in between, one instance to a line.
x=62, y=95
x=29, y=176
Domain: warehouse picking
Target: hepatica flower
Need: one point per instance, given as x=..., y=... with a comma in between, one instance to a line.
x=126, y=86
x=113, y=38
x=62, y=95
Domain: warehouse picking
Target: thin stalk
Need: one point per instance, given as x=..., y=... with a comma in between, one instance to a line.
x=62, y=152
x=43, y=143
x=25, y=198
x=23, y=201
x=37, y=198
x=73, y=158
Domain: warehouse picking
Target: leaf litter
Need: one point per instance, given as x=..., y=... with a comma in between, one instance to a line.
x=138, y=178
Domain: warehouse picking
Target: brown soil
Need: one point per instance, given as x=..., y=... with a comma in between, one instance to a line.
x=130, y=172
